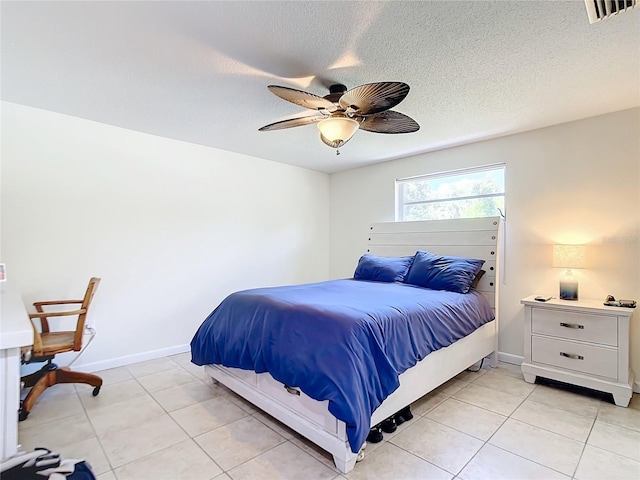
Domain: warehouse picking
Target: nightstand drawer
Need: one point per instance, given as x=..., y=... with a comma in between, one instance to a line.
x=579, y=357
x=600, y=329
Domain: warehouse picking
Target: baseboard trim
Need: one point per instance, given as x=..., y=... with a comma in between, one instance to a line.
x=129, y=359
x=509, y=358
x=177, y=349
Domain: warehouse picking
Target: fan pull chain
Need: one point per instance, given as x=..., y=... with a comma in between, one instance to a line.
x=337, y=151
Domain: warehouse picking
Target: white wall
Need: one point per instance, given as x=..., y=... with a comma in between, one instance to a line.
x=577, y=182
x=170, y=227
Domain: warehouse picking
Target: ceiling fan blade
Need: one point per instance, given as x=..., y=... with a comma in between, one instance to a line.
x=389, y=122
x=374, y=97
x=292, y=122
x=303, y=99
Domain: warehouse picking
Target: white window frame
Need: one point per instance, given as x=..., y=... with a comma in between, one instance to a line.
x=400, y=182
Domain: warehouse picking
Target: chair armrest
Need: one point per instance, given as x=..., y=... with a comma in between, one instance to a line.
x=43, y=319
x=56, y=314
x=56, y=302
x=77, y=341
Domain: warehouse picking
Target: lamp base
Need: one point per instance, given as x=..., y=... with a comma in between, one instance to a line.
x=568, y=290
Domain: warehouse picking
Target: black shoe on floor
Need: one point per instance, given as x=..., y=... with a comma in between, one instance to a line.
x=375, y=435
x=405, y=413
x=388, y=425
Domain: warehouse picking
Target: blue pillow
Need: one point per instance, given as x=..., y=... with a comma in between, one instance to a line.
x=441, y=272
x=382, y=269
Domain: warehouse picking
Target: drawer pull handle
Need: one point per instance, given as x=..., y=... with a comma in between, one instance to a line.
x=572, y=325
x=292, y=391
x=571, y=355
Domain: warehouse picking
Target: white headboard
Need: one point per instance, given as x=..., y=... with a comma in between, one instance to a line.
x=469, y=237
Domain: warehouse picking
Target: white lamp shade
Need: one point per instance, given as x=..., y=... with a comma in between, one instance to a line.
x=336, y=131
x=570, y=256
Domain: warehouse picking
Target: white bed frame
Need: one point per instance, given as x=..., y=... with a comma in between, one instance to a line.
x=474, y=238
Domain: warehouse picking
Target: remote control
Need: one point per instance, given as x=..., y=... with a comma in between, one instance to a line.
x=542, y=298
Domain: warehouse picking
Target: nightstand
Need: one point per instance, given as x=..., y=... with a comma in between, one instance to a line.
x=581, y=342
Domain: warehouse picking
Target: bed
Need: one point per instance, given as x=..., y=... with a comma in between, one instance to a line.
x=334, y=358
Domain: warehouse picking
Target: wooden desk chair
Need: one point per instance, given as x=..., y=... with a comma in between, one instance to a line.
x=47, y=343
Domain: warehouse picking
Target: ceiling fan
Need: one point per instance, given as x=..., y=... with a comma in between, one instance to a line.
x=342, y=111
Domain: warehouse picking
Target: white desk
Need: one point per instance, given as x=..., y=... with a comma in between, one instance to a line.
x=15, y=332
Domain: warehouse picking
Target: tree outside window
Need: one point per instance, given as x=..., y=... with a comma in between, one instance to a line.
x=477, y=192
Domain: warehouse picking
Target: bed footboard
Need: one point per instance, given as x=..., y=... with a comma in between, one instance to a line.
x=301, y=413
x=312, y=419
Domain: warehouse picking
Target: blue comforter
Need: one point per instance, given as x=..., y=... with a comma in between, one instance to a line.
x=345, y=341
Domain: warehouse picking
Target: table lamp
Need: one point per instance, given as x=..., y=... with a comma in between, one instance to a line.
x=569, y=256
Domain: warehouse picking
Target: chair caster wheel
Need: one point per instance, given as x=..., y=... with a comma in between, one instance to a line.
x=96, y=391
x=22, y=415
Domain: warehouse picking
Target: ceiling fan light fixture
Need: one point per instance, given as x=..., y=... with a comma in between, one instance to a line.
x=343, y=111
x=335, y=131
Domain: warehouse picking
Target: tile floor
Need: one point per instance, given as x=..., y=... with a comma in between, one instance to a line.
x=163, y=419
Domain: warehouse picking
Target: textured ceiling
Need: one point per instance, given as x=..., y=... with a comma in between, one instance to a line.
x=198, y=71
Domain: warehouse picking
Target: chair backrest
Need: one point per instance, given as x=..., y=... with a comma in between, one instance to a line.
x=86, y=302
x=91, y=290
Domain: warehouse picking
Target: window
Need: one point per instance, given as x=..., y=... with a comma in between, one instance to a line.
x=477, y=192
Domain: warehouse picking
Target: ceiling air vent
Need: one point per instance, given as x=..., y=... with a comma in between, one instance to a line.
x=601, y=9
